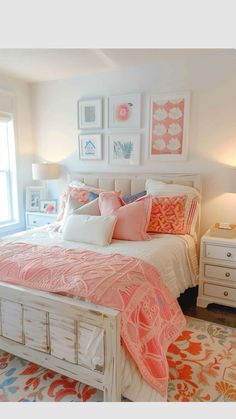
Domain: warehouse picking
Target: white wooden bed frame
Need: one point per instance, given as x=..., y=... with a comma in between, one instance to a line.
x=51, y=330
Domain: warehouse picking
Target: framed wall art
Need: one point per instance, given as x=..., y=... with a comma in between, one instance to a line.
x=169, y=119
x=90, y=113
x=49, y=206
x=90, y=147
x=34, y=194
x=124, y=111
x=124, y=149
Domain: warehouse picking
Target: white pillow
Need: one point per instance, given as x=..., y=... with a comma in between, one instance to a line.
x=91, y=208
x=89, y=229
x=77, y=184
x=158, y=188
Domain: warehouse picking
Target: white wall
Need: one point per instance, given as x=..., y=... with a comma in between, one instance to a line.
x=24, y=143
x=211, y=78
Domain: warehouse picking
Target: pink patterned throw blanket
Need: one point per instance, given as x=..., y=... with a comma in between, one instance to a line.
x=151, y=318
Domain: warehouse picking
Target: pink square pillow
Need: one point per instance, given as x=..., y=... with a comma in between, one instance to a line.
x=132, y=219
x=167, y=215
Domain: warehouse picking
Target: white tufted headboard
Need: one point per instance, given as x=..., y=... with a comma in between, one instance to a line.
x=129, y=184
x=133, y=183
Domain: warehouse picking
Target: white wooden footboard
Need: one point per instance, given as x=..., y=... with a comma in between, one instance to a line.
x=54, y=331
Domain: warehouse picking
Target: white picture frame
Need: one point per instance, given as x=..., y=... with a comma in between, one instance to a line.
x=90, y=113
x=124, y=111
x=34, y=194
x=90, y=147
x=169, y=123
x=124, y=149
x=48, y=206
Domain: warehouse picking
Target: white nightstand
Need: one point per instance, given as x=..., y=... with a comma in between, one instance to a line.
x=217, y=280
x=38, y=219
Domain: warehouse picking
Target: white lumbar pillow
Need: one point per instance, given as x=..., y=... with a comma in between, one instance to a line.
x=89, y=229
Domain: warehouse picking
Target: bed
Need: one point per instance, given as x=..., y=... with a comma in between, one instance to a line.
x=81, y=339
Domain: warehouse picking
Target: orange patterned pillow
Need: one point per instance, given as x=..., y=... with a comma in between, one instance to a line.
x=167, y=215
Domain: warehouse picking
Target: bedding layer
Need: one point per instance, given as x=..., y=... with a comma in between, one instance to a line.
x=175, y=258
x=151, y=318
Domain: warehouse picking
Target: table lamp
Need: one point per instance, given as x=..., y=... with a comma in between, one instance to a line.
x=45, y=171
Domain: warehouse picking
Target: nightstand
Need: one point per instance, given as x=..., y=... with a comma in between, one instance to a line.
x=38, y=219
x=217, y=280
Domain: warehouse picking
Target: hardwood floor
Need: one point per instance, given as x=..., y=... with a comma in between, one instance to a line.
x=213, y=313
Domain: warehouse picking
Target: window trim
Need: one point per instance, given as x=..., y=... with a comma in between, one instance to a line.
x=8, y=176
x=12, y=183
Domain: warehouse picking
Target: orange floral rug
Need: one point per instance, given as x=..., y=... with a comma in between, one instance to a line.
x=202, y=365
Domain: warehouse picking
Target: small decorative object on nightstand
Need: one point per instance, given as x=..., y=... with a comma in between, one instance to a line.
x=224, y=230
x=217, y=283
x=38, y=219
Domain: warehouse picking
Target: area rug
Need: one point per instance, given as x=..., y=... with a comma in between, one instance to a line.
x=202, y=365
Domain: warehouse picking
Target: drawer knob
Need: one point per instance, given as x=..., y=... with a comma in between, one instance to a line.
x=226, y=293
x=229, y=254
x=34, y=222
x=227, y=274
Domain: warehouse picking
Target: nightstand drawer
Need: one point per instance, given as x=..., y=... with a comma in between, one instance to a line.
x=39, y=220
x=221, y=252
x=218, y=291
x=220, y=272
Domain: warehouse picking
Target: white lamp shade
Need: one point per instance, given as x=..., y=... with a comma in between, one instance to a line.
x=45, y=171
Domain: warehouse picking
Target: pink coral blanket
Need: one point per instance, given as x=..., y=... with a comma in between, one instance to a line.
x=151, y=318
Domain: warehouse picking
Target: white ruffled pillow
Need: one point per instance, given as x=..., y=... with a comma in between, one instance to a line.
x=192, y=207
x=89, y=229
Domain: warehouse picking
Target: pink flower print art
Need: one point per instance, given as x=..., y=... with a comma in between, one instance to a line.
x=167, y=126
x=50, y=208
x=123, y=112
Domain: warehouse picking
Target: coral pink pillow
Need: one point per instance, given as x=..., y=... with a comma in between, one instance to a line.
x=132, y=219
x=167, y=215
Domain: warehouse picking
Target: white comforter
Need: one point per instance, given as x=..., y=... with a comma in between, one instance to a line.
x=173, y=256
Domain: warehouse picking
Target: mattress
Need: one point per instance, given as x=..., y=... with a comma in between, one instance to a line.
x=173, y=256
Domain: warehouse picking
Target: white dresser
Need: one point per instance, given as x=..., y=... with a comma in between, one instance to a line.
x=38, y=219
x=217, y=280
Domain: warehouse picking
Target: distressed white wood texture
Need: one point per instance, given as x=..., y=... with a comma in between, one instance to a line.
x=35, y=328
x=34, y=323
x=63, y=337
x=11, y=319
x=66, y=368
x=90, y=342
x=112, y=373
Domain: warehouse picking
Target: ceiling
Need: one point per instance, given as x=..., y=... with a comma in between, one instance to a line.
x=36, y=65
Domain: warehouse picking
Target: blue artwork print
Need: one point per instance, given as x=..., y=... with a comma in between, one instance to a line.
x=123, y=150
x=89, y=148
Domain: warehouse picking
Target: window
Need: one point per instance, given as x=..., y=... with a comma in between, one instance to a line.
x=8, y=190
